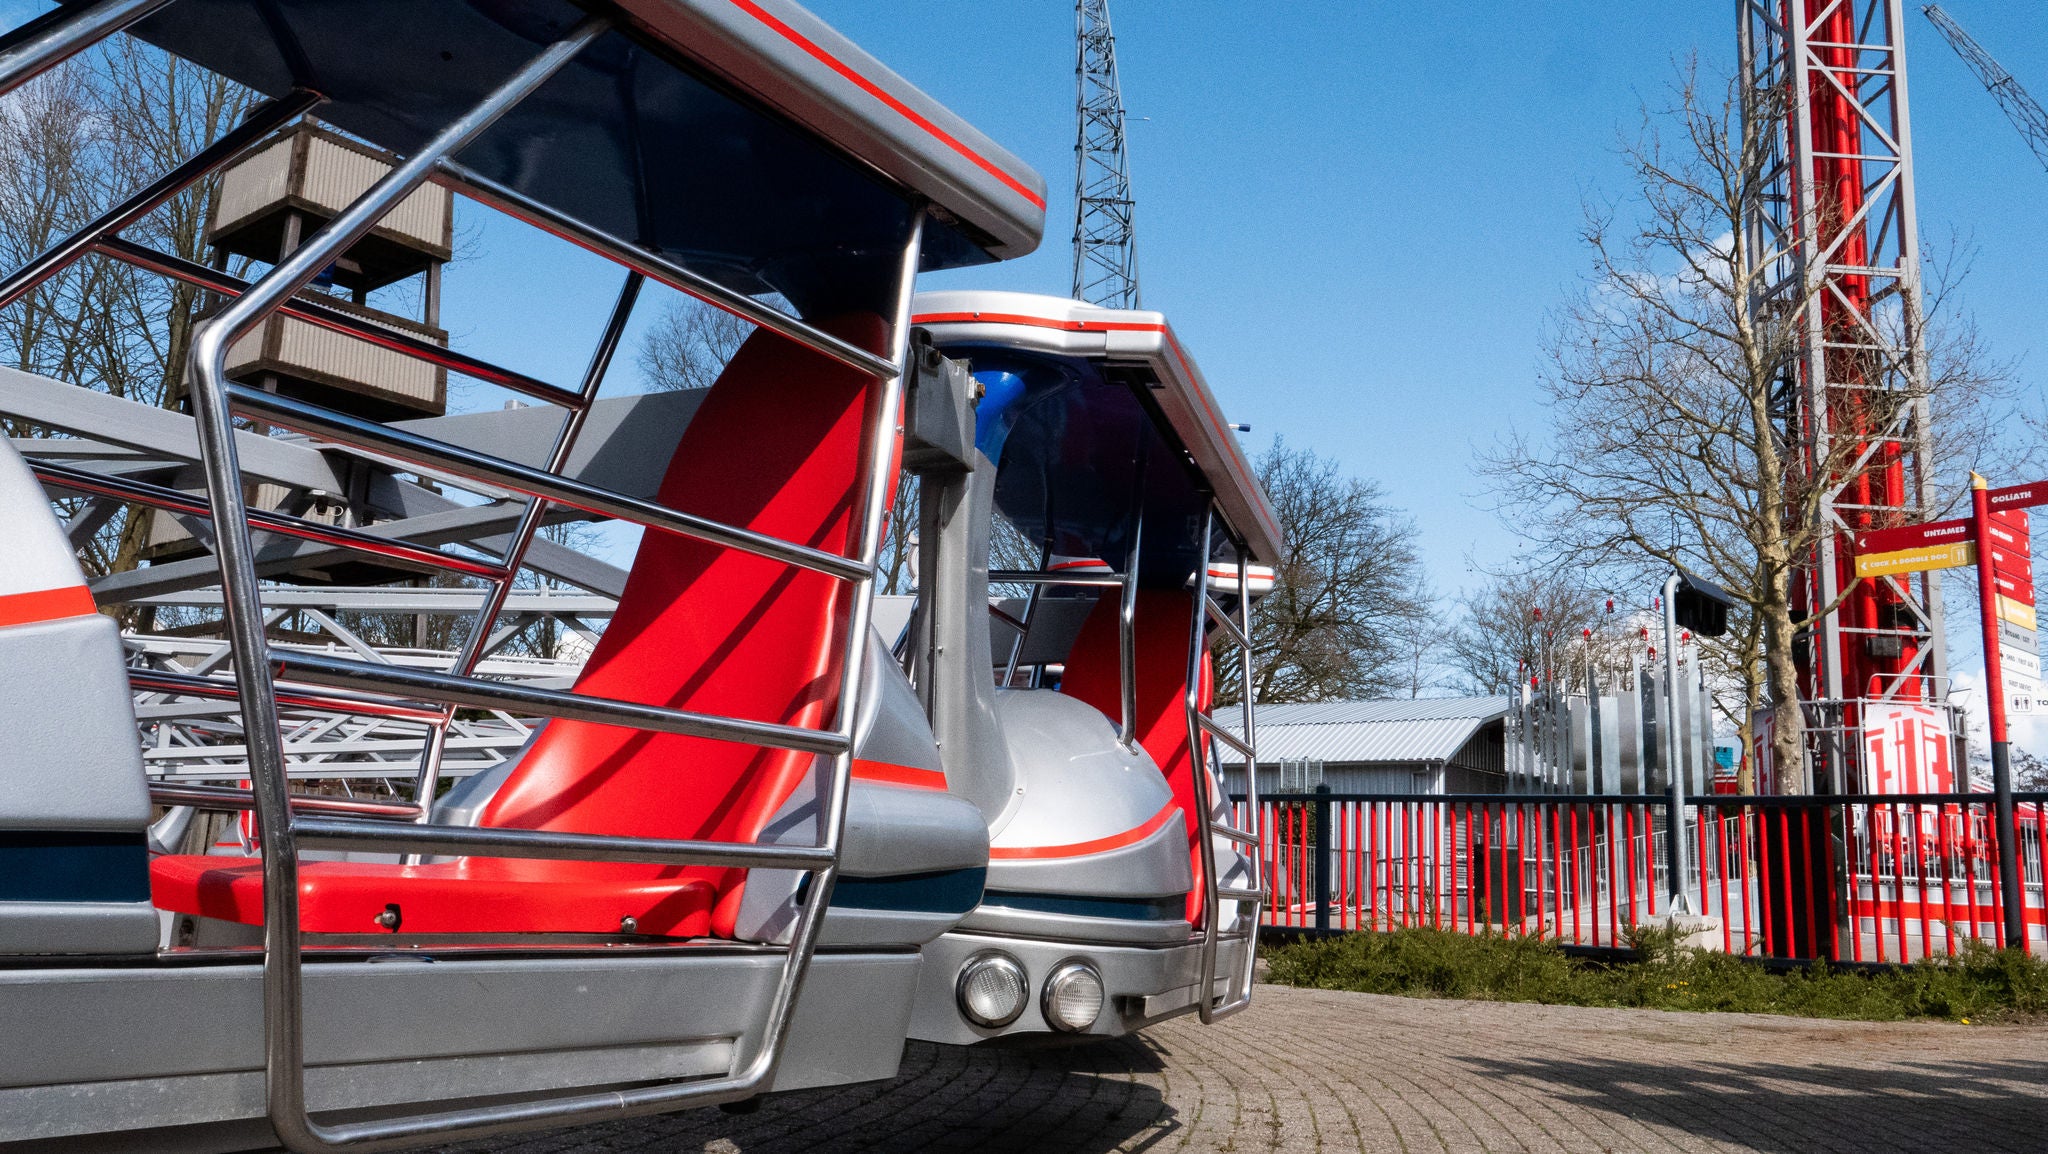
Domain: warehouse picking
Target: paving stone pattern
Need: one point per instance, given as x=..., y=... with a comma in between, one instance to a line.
x=1318, y=1070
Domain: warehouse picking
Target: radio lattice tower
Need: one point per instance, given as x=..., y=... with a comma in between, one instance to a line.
x=1105, y=250
x=2024, y=111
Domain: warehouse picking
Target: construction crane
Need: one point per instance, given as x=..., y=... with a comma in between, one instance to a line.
x=1105, y=251
x=2024, y=111
x=1829, y=75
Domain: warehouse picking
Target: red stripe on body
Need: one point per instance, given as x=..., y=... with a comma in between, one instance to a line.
x=1097, y=845
x=895, y=105
x=888, y=774
x=46, y=605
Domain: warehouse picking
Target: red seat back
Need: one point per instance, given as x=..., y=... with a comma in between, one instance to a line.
x=775, y=447
x=1092, y=675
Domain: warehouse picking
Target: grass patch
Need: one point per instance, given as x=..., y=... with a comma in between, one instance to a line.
x=1979, y=985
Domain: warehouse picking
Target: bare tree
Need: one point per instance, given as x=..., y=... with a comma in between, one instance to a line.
x=690, y=344
x=1670, y=438
x=74, y=141
x=1549, y=623
x=1349, y=584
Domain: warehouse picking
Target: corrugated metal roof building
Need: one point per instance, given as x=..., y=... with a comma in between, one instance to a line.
x=1429, y=745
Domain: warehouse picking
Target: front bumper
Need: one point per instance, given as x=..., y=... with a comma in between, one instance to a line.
x=1143, y=984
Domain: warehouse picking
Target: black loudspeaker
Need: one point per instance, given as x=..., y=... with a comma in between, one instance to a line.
x=1701, y=606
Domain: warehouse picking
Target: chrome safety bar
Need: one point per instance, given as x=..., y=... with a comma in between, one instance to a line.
x=550, y=845
x=526, y=480
x=230, y=798
x=476, y=186
x=1207, y=768
x=1038, y=577
x=294, y=694
x=54, y=37
x=47, y=41
x=1127, y=622
x=477, y=641
x=1209, y=726
x=261, y=121
x=313, y=311
x=77, y=480
x=1024, y=623
x=475, y=693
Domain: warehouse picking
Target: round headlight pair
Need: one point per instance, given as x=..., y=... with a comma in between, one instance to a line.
x=993, y=989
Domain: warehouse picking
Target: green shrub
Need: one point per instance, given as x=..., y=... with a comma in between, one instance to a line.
x=1979, y=984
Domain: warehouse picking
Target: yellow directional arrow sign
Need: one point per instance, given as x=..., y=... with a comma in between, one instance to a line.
x=2017, y=612
x=1953, y=555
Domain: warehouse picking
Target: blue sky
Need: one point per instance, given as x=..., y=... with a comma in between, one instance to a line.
x=1360, y=215
x=1357, y=214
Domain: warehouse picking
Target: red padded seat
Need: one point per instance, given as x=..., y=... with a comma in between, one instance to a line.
x=775, y=447
x=1164, y=617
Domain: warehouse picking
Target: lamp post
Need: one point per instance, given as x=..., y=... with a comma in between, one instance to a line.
x=1674, y=751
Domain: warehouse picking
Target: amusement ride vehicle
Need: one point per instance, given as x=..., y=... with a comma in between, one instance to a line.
x=263, y=880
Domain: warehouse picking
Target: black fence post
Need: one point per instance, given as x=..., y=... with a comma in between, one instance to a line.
x=1322, y=851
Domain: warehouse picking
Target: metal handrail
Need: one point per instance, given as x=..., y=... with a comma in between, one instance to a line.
x=260, y=122
x=552, y=845
x=478, y=639
x=1127, y=625
x=757, y=1054
x=457, y=178
x=528, y=481
x=1222, y=619
x=176, y=501
x=54, y=37
x=1239, y=993
x=1037, y=577
x=477, y=693
x=293, y=694
x=1210, y=727
x=230, y=797
x=314, y=311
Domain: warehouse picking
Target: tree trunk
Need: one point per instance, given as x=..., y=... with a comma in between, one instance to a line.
x=1788, y=737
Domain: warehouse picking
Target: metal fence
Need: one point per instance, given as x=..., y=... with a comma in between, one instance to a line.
x=1870, y=878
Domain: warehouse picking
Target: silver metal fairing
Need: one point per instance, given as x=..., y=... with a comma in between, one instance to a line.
x=411, y=1031
x=74, y=804
x=908, y=851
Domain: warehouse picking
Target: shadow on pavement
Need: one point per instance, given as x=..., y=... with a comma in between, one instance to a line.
x=1787, y=1109
x=1072, y=1098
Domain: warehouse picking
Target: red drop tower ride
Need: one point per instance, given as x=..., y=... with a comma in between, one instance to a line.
x=1835, y=225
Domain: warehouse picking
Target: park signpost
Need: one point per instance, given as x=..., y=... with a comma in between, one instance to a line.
x=1995, y=537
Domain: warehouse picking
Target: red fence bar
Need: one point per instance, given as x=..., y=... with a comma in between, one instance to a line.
x=1852, y=878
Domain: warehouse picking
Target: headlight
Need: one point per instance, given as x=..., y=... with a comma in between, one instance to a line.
x=992, y=990
x=1073, y=997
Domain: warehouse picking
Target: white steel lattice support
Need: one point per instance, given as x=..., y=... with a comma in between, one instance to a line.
x=1833, y=226
x=1105, y=252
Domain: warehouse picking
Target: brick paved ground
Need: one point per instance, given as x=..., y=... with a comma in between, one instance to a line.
x=1314, y=1070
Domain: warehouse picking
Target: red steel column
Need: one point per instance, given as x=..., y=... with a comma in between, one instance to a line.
x=2012, y=897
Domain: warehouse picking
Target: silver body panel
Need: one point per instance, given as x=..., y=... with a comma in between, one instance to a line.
x=412, y=1031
